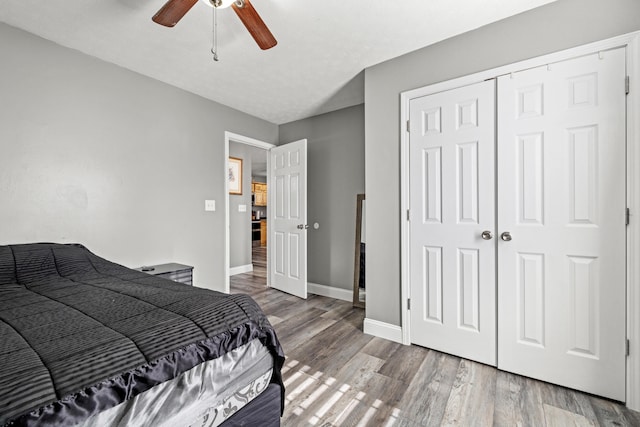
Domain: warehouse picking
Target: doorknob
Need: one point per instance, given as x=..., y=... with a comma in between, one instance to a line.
x=506, y=236
x=302, y=226
x=487, y=235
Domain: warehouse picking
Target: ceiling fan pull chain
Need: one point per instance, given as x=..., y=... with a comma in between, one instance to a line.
x=214, y=48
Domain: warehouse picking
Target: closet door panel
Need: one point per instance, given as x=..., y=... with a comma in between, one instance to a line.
x=452, y=200
x=561, y=196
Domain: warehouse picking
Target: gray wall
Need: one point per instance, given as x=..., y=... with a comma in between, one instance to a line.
x=553, y=27
x=94, y=153
x=240, y=222
x=335, y=176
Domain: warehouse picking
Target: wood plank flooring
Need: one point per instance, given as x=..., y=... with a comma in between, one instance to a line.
x=337, y=376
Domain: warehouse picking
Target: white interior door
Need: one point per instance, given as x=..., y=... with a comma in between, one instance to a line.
x=452, y=190
x=561, y=196
x=288, y=225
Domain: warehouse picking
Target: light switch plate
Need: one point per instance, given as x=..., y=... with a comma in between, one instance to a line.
x=210, y=205
x=242, y=208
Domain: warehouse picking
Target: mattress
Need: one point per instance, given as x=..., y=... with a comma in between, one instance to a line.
x=80, y=335
x=205, y=396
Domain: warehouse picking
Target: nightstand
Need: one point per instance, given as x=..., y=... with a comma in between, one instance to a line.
x=172, y=271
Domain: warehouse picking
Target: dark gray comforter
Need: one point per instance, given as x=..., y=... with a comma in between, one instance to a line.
x=80, y=334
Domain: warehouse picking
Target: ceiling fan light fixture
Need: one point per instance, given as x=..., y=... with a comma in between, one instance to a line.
x=219, y=4
x=174, y=10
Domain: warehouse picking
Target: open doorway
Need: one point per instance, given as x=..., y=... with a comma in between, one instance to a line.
x=259, y=206
x=247, y=210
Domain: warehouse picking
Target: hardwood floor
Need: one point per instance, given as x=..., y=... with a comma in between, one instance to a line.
x=337, y=376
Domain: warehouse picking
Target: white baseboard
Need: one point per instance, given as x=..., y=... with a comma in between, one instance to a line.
x=383, y=330
x=330, y=291
x=240, y=269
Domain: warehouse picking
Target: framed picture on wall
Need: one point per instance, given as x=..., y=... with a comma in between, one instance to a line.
x=235, y=175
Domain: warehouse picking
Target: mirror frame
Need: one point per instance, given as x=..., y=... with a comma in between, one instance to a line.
x=356, y=264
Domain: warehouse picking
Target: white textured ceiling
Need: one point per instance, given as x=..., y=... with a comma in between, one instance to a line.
x=323, y=46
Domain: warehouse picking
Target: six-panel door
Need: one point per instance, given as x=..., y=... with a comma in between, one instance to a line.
x=288, y=225
x=561, y=195
x=452, y=151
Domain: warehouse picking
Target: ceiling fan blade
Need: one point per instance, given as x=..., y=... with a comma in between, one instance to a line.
x=172, y=12
x=256, y=26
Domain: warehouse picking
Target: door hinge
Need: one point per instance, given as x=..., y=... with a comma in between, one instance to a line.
x=627, y=351
x=408, y=214
x=627, y=216
x=409, y=304
x=408, y=126
x=626, y=85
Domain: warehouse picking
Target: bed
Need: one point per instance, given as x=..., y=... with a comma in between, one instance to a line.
x=87, y=342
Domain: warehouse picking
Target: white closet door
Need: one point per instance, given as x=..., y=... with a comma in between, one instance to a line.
x=452, y=173
x=561, y=196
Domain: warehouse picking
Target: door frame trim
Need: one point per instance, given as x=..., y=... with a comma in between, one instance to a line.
x=631, y=42
x=228, y=138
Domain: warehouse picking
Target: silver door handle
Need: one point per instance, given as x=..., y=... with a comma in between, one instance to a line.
x=302, y=226
x=487, y=235
x=506, y=236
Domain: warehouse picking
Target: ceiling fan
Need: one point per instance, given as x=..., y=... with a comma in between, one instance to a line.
x=174, y=10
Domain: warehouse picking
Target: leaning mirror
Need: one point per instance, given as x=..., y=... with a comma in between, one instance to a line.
x=359, y=259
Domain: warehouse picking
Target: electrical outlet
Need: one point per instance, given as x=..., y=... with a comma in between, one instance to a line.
x=242, y=208
x=210, y=205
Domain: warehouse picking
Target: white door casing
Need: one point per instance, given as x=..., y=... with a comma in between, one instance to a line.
x=452, y=188
x=561, y=195
x=230, y=137
x=631, y=42
x=288, y=222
